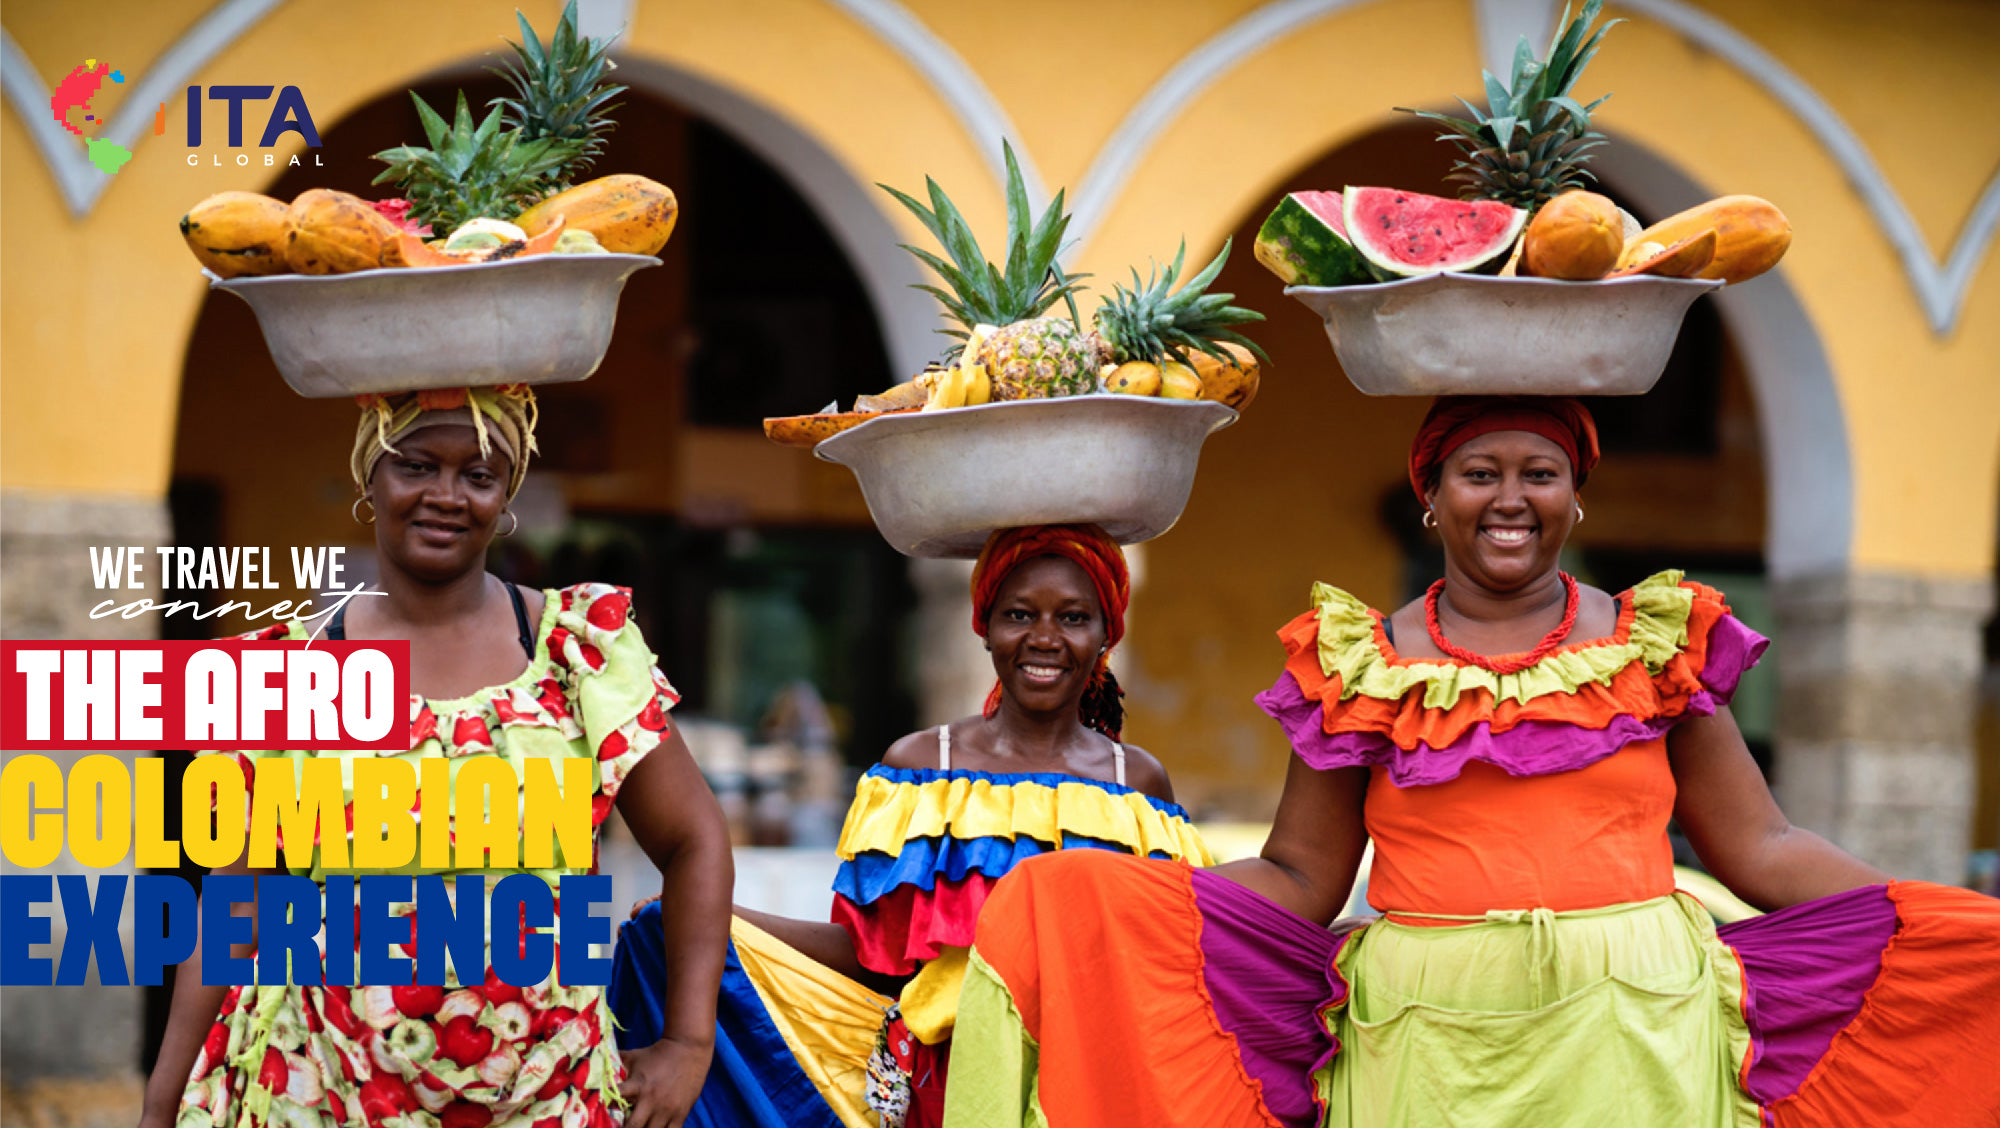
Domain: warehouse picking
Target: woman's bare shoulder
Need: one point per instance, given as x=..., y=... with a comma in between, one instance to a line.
x=1145, y=773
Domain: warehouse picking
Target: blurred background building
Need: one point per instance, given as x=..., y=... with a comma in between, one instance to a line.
x=1823, y=446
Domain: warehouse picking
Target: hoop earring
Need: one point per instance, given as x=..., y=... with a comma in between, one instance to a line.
x=1580, y=514
x=354, y=511
x=511, y=528
x=1429, y=520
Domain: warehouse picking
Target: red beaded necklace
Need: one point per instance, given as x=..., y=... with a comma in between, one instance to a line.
x=1550, y=642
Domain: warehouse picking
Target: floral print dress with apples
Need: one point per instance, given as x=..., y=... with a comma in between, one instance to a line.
x=487, y=1053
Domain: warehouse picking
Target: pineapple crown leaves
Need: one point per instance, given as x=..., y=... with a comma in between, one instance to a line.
x=977, y=292
x=559, y=88
x=1153, y=320
x=470, y=169
x=1534, y=102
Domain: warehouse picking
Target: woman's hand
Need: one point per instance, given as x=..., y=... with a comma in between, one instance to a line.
x=662, y=1081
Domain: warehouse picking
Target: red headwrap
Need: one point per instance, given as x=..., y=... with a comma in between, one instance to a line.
x=1100, y=558
x=1454, y=420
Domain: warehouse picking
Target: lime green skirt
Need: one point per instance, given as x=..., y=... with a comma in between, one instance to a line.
x=1625, y=1015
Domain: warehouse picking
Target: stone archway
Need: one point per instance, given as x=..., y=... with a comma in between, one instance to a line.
x=1808, y=472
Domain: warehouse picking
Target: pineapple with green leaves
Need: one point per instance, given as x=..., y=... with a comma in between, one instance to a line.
x=560, y=91
x=1158, y=325
x=1533, y=140
x=523, y=149
x=471, y=169
x=1000, y=310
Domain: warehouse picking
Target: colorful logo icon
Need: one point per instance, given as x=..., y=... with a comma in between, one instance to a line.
x=72, y=106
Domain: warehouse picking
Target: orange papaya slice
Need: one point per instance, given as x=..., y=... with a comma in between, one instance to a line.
x=1684, y=259
x=808, y=431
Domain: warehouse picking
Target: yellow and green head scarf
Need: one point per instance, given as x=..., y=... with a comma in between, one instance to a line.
x=503, y=416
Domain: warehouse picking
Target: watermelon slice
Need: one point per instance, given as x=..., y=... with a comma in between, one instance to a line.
x=1305, y=242
x=1408, y=233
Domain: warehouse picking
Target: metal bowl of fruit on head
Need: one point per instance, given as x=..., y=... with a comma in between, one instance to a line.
x=1032, y=419
x=1530, y=285
x=489, y=269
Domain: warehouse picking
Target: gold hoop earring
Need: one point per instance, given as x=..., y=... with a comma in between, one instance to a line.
x=354, y=511
x=511, y=528
x=1580, y=515
x=1429, y=520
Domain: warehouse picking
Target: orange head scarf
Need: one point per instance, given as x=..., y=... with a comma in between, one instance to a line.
x=1455, y=420
x=1100, y=558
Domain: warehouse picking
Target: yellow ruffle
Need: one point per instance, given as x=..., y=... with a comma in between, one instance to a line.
x=886, y=814
x=930, y=1000
x=1348, y=648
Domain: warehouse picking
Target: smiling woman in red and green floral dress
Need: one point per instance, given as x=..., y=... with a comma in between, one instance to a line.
x=501, y=670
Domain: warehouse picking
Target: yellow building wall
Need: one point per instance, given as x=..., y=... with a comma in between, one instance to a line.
x=97, y=312
x=107, y=301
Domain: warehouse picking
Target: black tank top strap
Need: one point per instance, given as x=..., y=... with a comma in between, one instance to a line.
x=521, y=619
x=337, y=626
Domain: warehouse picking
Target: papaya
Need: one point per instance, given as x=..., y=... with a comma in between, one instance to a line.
x=407, y=250
x=1234, y=385
x=628, y=214
x=1751, y=237
x=1683, y=260
x=1576, y=236
x=808, y=431
x=338, y=232
x=1134, y=378
x=1179, y=382
x=238, y=233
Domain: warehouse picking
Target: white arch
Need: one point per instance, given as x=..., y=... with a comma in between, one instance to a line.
x=980, y=114
x=1809, y=473
x=1941, y=288
x=76, y=178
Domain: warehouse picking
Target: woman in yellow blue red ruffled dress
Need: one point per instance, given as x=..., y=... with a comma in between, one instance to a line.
x=806, y=1039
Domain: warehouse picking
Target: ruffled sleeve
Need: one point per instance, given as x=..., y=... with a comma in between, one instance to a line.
x=1346, y=700
x=922, y=847
x=616, y=694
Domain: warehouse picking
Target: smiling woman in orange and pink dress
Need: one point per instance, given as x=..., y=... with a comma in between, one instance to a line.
x=1515, y=743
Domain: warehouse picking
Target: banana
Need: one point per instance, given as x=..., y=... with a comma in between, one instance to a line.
x=948, y=390
x=979, y=386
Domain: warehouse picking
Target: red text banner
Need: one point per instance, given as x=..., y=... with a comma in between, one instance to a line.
x=226, y=694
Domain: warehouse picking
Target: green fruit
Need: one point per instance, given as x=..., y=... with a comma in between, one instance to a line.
x=1305, y=243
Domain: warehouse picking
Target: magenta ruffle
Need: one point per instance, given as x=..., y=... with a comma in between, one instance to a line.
x=1527, y=748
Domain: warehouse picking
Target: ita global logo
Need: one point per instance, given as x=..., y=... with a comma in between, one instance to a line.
x=74, y=106
x=74, y=110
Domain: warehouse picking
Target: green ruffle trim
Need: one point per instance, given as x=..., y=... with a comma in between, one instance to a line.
x=1348, y=648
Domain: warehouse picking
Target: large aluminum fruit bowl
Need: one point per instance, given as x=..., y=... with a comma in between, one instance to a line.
x=939, y=482
x=1457, y=334
x=545, y=319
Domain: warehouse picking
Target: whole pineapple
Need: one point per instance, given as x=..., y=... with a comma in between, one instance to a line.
x=1533, y=140
x=1025, y=354
x=1040, y=358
